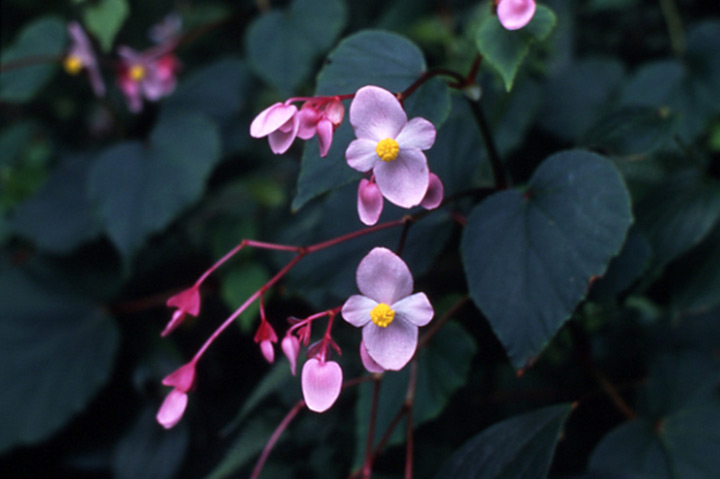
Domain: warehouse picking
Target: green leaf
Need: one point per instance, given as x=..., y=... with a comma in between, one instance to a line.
x=365, y=58
x=529, y=255
x=678, y=213
x=625, y=268
x=442, y=368
x=104, y=18
x=41, y=43
x=505, y=49
x=516, y=448
x=238, y=285
x=140, y=189
x=696, y=279
x=282, y=46
x=56, y=352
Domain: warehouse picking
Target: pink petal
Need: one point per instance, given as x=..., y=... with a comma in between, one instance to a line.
x=415, y=309
x=268, y=351
x=361, y=154
x=391, y=347
x=182, y=378
x=403, y=181
x=96, y=81
x=172, y=409
x=356, y=310
x=188, y=301
x=177, y=319
x=271, y=119
x=321, y=384
x=384, y=277
x=417, y=133
x=335, y=111
x=281, y=139
x=325, y=134
x=369, y=202
x=291, y=347
x=515, y=14
x=308, y=118
x=368, y=362
x=375, y=113
x=265, y=332
x=434, y=194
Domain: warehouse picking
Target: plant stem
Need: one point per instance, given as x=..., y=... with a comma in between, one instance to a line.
x=274, y=438
x=497, y=167
x=367, y=465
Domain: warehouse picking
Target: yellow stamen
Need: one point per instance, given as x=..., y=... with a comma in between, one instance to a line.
x=382, y=315
x=137, y=72
x=387, y=149
x=72, y=64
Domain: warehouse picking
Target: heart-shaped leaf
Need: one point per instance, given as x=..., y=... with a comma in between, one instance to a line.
x=530, y=254
x=104, y=19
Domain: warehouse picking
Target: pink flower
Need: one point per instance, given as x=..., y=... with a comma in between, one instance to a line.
x=183, y=378
x=387, y=311
x=172, y=409
x=321, y=383
x=390, y=145
x=265, y=336
x=186, y=302
x=279, y=123
x=370, y=202
x=81, y=55
x=149, y=74
x=368, y=362
x=291, y=347
x=515, y=14
x=320, y=116
x=434, y=194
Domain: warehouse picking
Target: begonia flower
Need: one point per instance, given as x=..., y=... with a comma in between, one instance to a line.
x=186, y=302
x=265, y=336
x=515, y=14
x=149, y=75
x=279, y=123
x=291, y=348
x=387, y=311
x=81, y=56
x=369, y=363
x=320, y=117
x=369, y=202
x=321, y=383
x=390, y=145
x=172, y=409
x=434, y=194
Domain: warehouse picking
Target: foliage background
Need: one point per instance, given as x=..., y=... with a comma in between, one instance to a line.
x=105, y=214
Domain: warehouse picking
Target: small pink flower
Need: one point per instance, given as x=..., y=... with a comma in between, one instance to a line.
x=369, y=202
x=150, y=74
x=390, y=145
x=387, y=311
x=81, y=55
x=186, y=302
x=320, y=116
x=265, y=336
x=183, y=378
x=515, y=14
x=434, y=194
x=291, y=347
x=369, y=363
x=321, y=383
x=172, y=409
x=279, y=123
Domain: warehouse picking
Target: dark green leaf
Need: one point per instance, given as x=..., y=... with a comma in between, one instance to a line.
x=529, y=255
x=41, y=43
x=104, y=19
x=517, y=448
x=625, y=268
x=55, y=353
x=431, y=101
x=696, y=279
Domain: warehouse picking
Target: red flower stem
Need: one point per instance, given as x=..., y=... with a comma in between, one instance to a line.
x=459, y=81
x=326, y=337
x=355, y=234
x=470, y=79
x=501, y=181
x=307, y=320
x=441, y=322
x=274, y=438
x=367, y=465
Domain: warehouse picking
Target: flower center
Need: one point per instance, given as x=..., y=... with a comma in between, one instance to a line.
x=387, y=149
x=137, y=72
x=72, y=64
x=382, y=315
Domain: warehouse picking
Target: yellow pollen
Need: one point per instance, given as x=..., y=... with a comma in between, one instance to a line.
x=72, y=64
x=382, y=315
x=387, y=150
x=137, y=72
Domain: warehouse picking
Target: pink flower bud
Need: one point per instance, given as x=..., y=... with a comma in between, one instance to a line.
x=434, y=194
x=265, y=336
x=279, y=123
x=291, y=347
x=369, y=202
x=268, y=351
x=321, y=384
x=369, y=362
x=182, y=378
x=172, y=409
x=515, y=14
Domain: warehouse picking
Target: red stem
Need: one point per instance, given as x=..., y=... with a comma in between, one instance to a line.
x=367, y=465
x=274, y=438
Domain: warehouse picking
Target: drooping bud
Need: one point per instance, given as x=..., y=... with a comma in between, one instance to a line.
x=435, y=192
x=291, y=347
x=321, y=384
x=265, y=336
x=369, y=202
x=172, y=409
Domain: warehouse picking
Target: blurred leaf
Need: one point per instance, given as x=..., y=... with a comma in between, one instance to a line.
x=431, y=101
x=56, y=351
x=355, y=62
x=238, y=285
x=42, y=43
x=529, y=255
x=282, y=45
x=505, y=49
x=140, y=189
x=148, y=451
x=516, y=448
x=104, y=18
x=696, y=278
x=625, y=268
x=59, y=217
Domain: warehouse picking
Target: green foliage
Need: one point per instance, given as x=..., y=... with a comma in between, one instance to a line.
x=104, y=19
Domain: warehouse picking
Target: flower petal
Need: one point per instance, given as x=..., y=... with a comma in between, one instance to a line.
x=368, y=362
x=384, y=277
x=187, y=300
x=356, y=310
x=515, y=14
x=417, y=133
x=182, y=378
x=375, y=113
x=434, y=194
x=281, y=139
x=415, y=309
x=308, y=119
x=405, y=180
x=172, y=409
x=321, y=384
x=291, y=347
x=325, y=135
x=391, y=347
x=271, y=118
x=369, y=202
x=361, y=154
